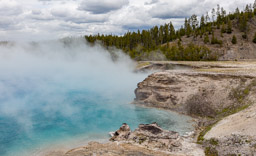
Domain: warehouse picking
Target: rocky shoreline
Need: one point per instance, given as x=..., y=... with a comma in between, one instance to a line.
x=210, y=96
x=191, y=93
x=147, y=139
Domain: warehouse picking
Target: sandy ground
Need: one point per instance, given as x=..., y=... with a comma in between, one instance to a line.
x=245, y=67
x=242, y=123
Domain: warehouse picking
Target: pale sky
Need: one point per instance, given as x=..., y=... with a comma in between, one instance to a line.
x=52, y=19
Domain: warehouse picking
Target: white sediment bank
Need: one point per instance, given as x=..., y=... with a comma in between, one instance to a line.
x=59, y=148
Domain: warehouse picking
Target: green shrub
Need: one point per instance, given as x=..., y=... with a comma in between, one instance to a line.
x=244, y=36
x=234, y=40
x=229, y=29
x=254, y=38
x=214, y=141
x=209, y=151
x=216, y=41
x=206, y=39
x=223, y=28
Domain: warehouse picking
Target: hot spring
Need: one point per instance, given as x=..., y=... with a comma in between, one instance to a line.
x=56, y=91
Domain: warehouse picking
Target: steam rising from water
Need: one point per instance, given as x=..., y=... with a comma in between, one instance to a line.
x=37, y=76
x=59, y=90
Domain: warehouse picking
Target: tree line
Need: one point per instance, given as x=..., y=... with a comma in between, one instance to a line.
x=143, y=42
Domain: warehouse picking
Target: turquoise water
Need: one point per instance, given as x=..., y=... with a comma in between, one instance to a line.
x=96, y=114
x=51, y=93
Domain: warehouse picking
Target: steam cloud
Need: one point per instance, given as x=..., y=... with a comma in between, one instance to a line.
x=37, y=76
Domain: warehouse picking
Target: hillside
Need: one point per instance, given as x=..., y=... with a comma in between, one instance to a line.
x=245, y=48
x=219, y=37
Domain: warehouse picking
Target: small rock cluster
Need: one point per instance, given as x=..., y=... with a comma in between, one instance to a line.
x=148, y=135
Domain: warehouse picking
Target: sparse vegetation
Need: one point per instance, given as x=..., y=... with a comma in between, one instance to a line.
x=229, y=111
x=210, y=151
x=240, y=93
x=213, y=141
x=142, y=64
x=200, y=137
x=214, y=40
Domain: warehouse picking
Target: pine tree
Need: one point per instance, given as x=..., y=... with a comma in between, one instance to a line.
x=206, y=39
x=254, y=38
x=218, y=12
x=234, y=40
x=218, y=25
x=218, y=16
x=166, y=33
x=202, y=21
x=243, y=22
x=254, y=7
x=213, y=15
x=172, y=32
x=188, y=28
x=237, y=13
x=213, y=39
x=161, y=34
x=223, y=13
x=155, y=33
x=194, y=21
x=229, y=29
x=244, y=35
x=223, y=28
x=207, y=18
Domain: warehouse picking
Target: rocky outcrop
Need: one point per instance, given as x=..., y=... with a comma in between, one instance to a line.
x=149, y=135
x=193, y=93
x=146, y=140
x=121, y=134
x=214, y=95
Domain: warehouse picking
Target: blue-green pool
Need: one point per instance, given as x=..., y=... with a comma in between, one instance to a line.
x=51, y=92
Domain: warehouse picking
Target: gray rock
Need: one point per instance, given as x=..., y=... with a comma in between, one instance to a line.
x=149, y=135
x=121, y=134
